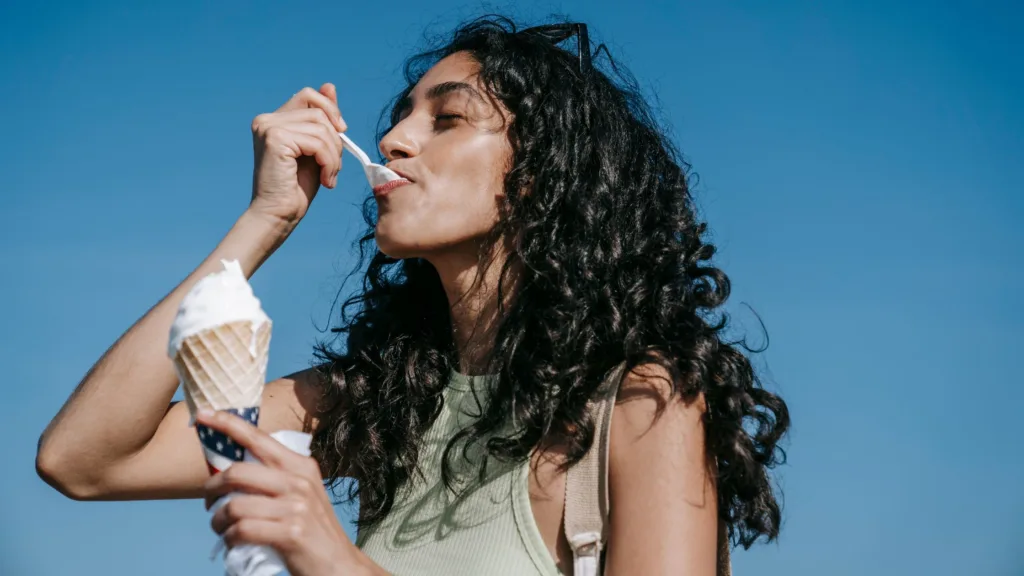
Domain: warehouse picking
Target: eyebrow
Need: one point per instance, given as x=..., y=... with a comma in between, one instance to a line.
x=439, y=90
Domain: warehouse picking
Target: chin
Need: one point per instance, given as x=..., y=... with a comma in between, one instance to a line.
x=395, y=245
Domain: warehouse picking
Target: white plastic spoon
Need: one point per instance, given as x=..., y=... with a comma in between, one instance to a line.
x=377, y=175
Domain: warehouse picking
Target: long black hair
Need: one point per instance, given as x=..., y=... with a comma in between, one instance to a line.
x=612, y=265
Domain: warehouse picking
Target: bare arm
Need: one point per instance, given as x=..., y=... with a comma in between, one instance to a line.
x=117, y=422
x=116, y=436
x=664, y=506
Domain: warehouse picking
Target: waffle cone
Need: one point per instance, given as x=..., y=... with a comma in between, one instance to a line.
x=225, y=366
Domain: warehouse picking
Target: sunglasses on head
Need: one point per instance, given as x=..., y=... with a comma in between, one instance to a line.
x=558, y=33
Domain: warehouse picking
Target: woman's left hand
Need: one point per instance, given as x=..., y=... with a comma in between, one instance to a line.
x=282, y=504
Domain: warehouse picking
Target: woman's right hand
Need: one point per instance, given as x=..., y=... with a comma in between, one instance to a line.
x=297, y=149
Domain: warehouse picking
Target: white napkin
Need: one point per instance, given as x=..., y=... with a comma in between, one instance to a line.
x=250, y=559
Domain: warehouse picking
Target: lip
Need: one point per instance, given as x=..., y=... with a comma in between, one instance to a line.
x=386, y=188
x=400, y=173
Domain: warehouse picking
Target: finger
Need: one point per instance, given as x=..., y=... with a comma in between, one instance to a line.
x=309, y=98
x=299, y=144
x=282, y=535
x=257, y=507
x=267, y=450
x=330, y=138
x=289, y=117
x=331, y=92
x=322, y=130
x=328, y=89
x=321, y=149
x=248, y=477
x=289, y=120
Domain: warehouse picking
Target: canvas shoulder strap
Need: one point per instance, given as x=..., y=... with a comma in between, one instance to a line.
x=587, y=502
x=586, y=486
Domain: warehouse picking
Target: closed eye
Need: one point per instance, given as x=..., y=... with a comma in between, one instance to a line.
x=447, y=117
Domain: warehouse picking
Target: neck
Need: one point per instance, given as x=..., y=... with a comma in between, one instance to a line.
x=472, y=290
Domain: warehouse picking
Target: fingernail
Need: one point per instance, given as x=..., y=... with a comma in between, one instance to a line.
x=206, y=413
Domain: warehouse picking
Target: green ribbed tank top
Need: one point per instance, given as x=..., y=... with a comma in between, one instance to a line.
x=489, y=530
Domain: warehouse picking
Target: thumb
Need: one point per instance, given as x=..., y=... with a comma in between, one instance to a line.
x=330, y=91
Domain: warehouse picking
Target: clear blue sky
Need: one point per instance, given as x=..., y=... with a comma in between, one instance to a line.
x=861, y=167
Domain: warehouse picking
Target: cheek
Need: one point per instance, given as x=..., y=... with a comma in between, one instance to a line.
x=466, y=194
x=458, y=202
x=473, y=169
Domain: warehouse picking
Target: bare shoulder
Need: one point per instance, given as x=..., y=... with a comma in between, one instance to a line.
x=292, y=402
x=664, y=507
x=655, y=431
x=646, y=397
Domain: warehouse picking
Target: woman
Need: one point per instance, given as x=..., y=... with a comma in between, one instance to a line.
x=544, y=235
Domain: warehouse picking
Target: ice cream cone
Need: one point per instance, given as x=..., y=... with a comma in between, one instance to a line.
x=225, y=366
x=220, y=342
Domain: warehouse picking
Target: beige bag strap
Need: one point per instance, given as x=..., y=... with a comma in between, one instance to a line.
x=586, y=486
x=587, y=501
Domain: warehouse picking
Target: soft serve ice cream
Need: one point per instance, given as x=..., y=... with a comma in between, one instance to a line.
x=219, y=342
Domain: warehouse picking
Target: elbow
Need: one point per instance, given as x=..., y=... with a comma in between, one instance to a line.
x=55, y=470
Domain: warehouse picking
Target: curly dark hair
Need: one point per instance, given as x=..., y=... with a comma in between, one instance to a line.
x=613, y=266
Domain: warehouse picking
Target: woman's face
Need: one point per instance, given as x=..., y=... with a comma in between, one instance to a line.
x=450, y=143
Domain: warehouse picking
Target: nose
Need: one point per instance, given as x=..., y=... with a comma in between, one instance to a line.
x=398, y=143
